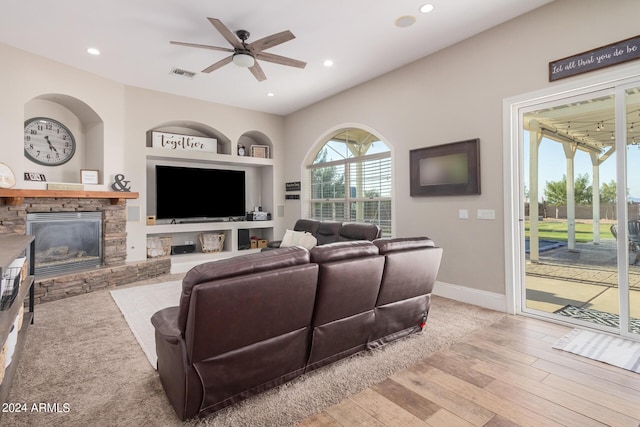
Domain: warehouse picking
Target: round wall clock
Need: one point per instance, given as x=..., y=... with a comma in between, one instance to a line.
x=48, y=142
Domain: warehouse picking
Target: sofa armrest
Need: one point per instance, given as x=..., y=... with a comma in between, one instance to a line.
x=179, y=379
x=165, y=322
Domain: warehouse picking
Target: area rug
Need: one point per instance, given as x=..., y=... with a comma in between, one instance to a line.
x=597, y=317
x=604, y=348
x=139, y=303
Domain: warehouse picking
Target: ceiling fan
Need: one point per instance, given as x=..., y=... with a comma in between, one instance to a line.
x=245, y=55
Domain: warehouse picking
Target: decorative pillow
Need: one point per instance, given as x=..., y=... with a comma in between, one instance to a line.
x=298, y=238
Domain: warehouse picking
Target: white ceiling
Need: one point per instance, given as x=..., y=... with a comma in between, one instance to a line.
x=358, y=35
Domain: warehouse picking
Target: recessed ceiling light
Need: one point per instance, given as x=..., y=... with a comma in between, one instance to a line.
x=327, y=63
x=405, y=21
x=93, y=51
x=271, y=94
x=426, y=8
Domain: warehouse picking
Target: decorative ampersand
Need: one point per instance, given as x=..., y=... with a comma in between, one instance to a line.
x=120, y=183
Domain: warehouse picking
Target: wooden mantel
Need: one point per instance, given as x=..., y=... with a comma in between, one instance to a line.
x=16, y=197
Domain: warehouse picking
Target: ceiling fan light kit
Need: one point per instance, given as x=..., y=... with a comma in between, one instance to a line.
x=246, y=55
x=243, y=60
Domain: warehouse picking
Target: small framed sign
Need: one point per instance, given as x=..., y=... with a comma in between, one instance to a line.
x=261, y=151
x=292, y=186
x=32, y=176
x=89, y=176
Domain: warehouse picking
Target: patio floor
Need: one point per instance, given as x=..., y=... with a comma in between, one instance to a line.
x=586, y=277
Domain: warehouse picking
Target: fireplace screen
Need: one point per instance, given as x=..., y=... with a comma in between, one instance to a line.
x=66, y=241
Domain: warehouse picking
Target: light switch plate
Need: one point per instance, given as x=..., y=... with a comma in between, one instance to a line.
x=463, y=214
x=486, y=214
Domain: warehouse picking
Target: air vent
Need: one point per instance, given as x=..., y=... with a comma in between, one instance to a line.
x=183, y=73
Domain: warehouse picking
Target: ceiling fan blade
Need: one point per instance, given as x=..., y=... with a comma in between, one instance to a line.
x=218, y=64
x=282, y=60
x=257, y=72
x=226, y=33
x=271, y=41
x=203, y=46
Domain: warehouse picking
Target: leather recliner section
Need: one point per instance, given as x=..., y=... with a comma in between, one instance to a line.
x=410, y=270
x=348, y=285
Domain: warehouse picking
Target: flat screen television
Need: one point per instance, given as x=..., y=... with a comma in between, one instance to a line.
x=198, y=193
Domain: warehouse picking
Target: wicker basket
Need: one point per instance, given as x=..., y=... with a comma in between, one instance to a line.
x=158, y=246
x=211, y=242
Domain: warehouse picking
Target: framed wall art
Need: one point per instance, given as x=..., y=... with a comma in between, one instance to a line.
x=445, y=170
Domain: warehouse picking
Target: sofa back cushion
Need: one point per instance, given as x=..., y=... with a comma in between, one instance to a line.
x=411, y=267
x=235, y=267
x=359, y=231
x=348, y=285
x=348, y=280
x=328, y=232
x=308, y=225
x=239, y=311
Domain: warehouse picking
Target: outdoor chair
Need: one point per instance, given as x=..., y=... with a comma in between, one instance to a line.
x=633, y=227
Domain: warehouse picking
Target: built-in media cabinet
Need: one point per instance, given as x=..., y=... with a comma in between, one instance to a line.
x=13, y=246
x=259, y=187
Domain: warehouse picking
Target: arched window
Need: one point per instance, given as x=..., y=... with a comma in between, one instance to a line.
x=350, y=180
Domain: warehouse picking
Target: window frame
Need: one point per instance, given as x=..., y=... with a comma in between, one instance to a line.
x=347, y=201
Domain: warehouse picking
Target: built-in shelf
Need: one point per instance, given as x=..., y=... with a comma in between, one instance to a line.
x=16, y=197
x=190, y=227
x=181, y=263
x=203, y=157
x=259, y=187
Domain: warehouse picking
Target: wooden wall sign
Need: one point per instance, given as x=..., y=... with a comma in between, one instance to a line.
x=171, y=141
x=605, y=56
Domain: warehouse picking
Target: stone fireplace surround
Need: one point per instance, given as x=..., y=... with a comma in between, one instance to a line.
x=114, y=272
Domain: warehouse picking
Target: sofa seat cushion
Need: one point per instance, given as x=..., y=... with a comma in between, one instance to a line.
x=298, y=238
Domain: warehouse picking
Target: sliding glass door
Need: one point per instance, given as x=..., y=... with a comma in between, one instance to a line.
x=580, y=209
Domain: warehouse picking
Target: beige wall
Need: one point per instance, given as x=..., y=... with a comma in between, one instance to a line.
x=458, y=94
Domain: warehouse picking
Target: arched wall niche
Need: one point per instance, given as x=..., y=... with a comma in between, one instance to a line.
x=86, y=126
x=254, y=137
x=188, y=128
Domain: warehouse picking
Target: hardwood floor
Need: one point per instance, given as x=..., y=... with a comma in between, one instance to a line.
x=504, y=375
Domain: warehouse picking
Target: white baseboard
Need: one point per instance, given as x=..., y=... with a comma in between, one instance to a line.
x=467, y=295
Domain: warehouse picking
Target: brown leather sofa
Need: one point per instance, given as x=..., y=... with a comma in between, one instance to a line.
x=250, y=323
x=333, y=231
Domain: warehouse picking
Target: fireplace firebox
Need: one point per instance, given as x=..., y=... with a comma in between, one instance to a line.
x=65, y=241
